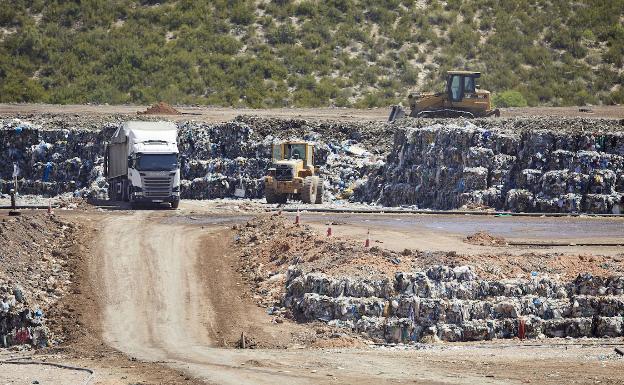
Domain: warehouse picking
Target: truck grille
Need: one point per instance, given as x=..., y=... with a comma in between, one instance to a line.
x=156, y=187
x=283, y=172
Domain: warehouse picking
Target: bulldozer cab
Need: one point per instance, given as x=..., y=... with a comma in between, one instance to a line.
x=294, y=151
x=461, y=83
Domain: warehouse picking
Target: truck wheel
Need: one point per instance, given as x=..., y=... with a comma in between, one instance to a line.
x=320, y=189
x=175, y=204
x=308, y=192
x=273, y=197
x=125, y=191
x=110, y=191
x=118, y=191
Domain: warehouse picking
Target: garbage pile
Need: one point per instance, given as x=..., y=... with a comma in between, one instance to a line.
x=453, y=304
x=20, y=324
x=218, y=158
x=418, y=295
x=521, y=164
x=52, y=161
x=51, y=157
x=34, y=276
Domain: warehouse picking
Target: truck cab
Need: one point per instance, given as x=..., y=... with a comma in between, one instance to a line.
x=142, y=163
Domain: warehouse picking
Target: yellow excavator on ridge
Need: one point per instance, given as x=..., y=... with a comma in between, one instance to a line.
x=462, y=98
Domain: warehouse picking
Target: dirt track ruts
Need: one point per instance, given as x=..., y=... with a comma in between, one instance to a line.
x=155, y=307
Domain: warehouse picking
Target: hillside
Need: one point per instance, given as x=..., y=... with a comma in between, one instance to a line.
x=280, y=53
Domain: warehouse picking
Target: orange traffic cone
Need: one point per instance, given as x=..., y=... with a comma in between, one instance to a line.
x=522, y=329
x=367, y=243
x=297, y=217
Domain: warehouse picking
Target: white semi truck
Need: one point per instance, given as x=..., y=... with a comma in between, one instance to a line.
x=141, y=163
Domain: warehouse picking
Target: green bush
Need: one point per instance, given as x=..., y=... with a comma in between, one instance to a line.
x=509, y=98
x=284, y=34
x=409, y=76
x=617, y=96
x=242, y=14
x=307, y=53
x=306, y=8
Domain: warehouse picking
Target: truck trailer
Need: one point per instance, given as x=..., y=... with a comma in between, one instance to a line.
x=141, y=163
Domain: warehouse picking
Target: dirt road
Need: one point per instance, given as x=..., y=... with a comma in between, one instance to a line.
x=158, y=303
x=447, y=232
x=156, y=307
x=222, y=114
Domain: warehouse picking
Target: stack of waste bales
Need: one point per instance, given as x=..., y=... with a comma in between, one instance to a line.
x=522, y=164
x=453, y=304
x=58, y=155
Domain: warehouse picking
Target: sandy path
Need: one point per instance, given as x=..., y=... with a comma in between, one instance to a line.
x=206, y=114
x=149, y=276
x=222, y=114
x=156, y=307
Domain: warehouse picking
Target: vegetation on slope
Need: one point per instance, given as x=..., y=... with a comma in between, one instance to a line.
x=279, y=53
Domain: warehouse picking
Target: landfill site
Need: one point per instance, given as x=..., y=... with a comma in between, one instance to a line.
x=186, y=245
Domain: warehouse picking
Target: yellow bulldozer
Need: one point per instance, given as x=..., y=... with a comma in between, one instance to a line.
x=293, y=174
x=462, y=98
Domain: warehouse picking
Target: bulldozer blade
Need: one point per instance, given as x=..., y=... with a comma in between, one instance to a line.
x=445, y=113
x=396, y=112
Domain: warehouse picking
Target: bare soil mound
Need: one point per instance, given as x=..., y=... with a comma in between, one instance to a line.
x=34, y=258
x=483, y=238
x=160, y=108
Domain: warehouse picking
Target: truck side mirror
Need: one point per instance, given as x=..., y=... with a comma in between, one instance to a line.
x=129, y=162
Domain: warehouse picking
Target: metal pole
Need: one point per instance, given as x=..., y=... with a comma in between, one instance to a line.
x=13, y=212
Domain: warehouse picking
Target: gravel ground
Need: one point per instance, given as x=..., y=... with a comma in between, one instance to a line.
x=220, y=114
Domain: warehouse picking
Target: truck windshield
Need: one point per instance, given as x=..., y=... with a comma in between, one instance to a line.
x=157, y=162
